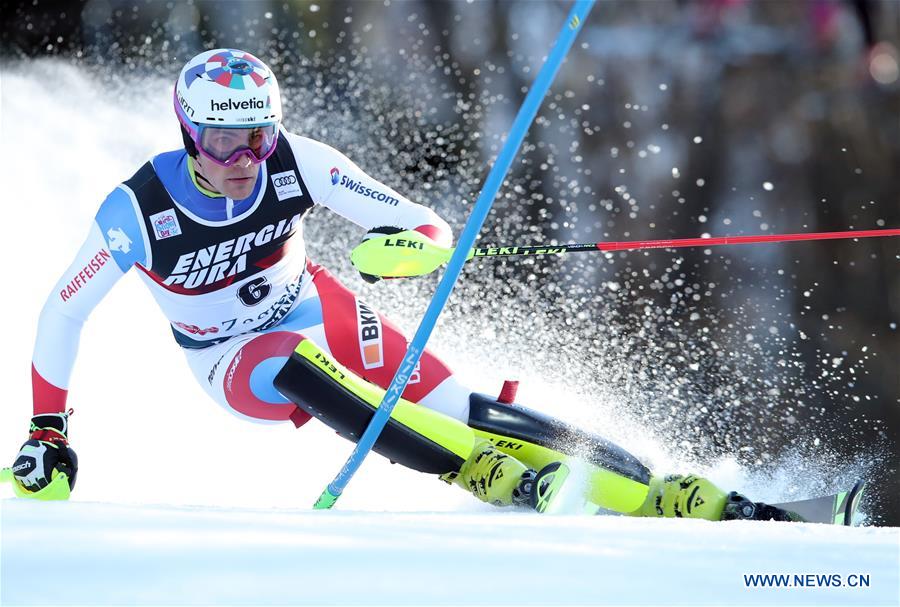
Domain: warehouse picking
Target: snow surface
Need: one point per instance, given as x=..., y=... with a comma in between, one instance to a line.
x=233, y=525
x=99, y=554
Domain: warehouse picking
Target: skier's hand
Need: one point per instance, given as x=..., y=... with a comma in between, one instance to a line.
x=392, y=252
x=46, y=455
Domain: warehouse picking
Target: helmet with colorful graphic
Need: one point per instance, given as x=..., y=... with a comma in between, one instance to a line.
x=229, y=106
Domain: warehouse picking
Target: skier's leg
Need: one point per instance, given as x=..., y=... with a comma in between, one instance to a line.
x=617, y=480
x=237, y=374
x=414, y=436
x=369, y=344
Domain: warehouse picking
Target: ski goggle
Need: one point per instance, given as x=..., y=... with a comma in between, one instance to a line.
x=225, y=145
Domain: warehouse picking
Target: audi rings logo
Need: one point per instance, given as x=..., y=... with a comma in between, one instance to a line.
x=284, y=181
x=287, y=185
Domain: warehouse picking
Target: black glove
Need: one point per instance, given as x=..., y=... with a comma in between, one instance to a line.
x=374, y=233
x=45, y=451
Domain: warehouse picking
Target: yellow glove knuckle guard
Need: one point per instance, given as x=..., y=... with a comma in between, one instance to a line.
x=406, y=253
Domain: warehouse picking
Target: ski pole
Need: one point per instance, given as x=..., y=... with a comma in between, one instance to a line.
x=634, y=245
x=467, y=238
x=424, y=256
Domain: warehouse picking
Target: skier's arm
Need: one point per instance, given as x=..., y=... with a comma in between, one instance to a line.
x=338, y=184
x=114, y=243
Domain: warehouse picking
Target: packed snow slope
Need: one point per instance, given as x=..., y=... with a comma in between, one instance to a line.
x=178, y=502
x=96, y=554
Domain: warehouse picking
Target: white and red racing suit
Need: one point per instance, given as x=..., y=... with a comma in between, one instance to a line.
x=233, y=279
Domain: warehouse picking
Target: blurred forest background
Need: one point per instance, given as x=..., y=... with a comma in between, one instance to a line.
x=670, y=119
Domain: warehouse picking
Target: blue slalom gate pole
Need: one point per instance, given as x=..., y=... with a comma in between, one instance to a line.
x=517, y=132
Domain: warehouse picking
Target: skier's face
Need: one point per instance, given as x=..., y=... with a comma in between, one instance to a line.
x=235, y=181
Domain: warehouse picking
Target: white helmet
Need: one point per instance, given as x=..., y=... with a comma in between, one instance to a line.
x=229, y=89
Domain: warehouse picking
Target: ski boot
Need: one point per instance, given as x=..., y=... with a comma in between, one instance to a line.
x=494, y=477
x=738, y=507
x=694, y=497
x=683, y=497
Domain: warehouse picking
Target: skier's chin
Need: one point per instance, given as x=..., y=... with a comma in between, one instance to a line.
x=239, y=187
x=235, y=182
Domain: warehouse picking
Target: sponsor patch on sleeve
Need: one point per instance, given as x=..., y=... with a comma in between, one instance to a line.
x=286, y=185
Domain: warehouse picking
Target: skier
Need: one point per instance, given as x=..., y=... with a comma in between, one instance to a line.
x=215, y=232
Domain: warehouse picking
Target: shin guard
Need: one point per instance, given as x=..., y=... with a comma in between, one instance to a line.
x=414, y=436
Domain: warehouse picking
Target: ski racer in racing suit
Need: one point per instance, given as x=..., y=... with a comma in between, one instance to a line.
x=214, y=230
